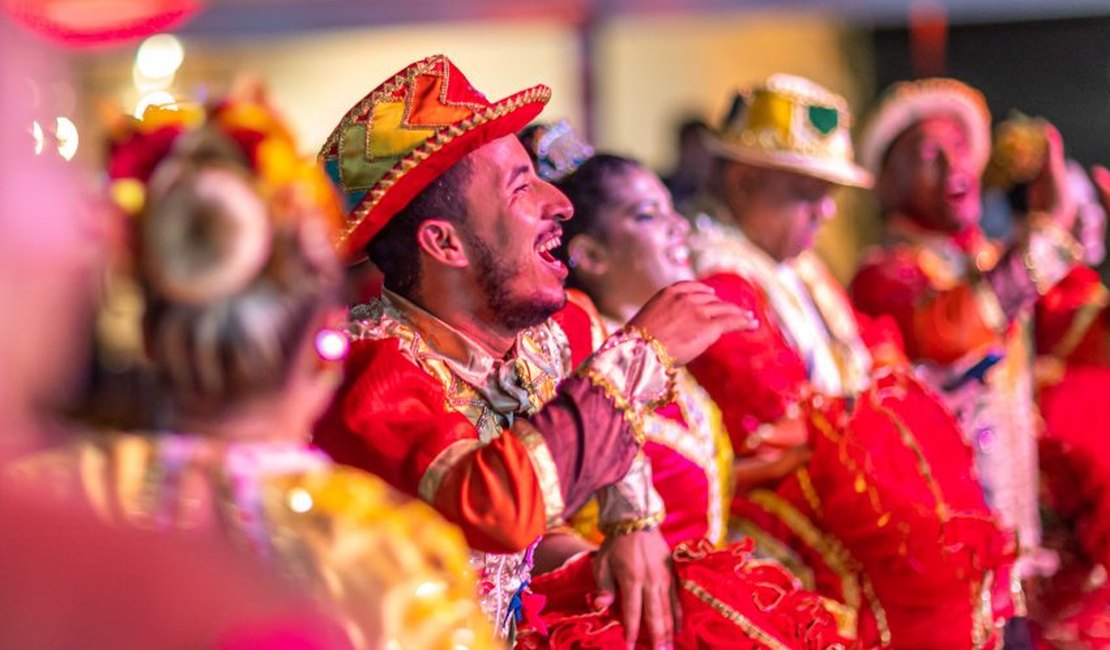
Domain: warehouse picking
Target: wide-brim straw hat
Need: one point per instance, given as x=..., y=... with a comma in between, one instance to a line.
x=793, y=124
x=910, y=102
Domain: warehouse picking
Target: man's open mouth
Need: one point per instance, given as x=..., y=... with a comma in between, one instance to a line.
x=546, y=246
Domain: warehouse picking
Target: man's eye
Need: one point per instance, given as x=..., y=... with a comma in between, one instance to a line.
x=643, y=216
x=522, y=189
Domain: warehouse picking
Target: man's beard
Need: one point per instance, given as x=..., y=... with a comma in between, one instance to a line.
x=514, y=313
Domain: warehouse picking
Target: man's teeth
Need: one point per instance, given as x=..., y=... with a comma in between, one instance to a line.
x=549, y=245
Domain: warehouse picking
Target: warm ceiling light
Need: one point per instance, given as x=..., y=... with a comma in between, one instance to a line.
x=159, y=57
x=156, y=98
x=66, y=133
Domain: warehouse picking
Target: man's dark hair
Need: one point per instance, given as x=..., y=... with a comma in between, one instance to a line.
x=589, y=189
x=691, y=127
x=394, y=249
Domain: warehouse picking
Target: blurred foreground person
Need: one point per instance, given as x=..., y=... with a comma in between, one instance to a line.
x=460, y=388
x=67, y=580
x=233, y=255
x=853, y=473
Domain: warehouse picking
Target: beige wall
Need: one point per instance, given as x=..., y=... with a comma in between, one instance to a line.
x=315, y=78
x=654, y=71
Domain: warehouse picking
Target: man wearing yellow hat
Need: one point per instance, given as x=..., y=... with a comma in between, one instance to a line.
x=863, y=451
x=459, y=387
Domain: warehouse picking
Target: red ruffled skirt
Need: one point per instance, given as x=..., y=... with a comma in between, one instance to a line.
x=729, y=600
x=900, y=527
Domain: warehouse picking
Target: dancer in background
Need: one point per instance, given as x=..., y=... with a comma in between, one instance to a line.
x=963, y=303
x=118, y=588
x=852, y=469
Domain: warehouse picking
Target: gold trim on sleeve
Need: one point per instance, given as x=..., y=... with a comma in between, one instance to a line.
x=546, y=472
x=438, y=468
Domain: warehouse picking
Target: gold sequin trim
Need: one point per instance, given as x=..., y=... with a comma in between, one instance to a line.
x=442, y=137
x=730, y=614
x=632, y=526
x=631, y=413
x=665, y=358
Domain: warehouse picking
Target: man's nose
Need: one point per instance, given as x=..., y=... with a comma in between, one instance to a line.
x=680, y=227
x=556, y=205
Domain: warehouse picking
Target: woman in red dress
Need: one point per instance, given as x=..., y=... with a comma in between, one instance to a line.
x=729, y=598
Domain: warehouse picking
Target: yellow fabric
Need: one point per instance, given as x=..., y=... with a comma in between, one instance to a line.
x=392, y=572
x=724, y=459
x=772, y=111
x=387, y=136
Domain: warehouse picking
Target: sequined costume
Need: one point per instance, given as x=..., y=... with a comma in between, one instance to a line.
x=494, y=445
x=951, y=316
x=889, y=472
x=684, y=440
x=1073, y=370
x=729, y=598
x=391, y=571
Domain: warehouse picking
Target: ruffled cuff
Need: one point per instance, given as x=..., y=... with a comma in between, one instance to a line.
x=630, y=504
x=635, y=371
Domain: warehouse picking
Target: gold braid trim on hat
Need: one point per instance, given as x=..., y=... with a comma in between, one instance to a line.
x=815, y=95
x=907, y=89
x=443, y=136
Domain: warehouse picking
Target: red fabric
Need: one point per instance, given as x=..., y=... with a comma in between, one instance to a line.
x=1056, y=311
x=683, y=486
x=883, y=339
x=137, y=153
x=752, y=376
x=1077, y=617
x=1074, y=453
x=936, y=325
x=876, y=471
x=761, y=592
x=441, y=95
x=579, y=320
x=389, y=419
x=828, y=580
x=897, y=487
x=1075, y=456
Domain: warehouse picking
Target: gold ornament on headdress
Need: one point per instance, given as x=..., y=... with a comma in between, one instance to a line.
x=1019, y=153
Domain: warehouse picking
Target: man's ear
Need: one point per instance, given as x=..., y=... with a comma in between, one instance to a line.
x=738, y=177
x=587, y=256
x=441, y=241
